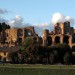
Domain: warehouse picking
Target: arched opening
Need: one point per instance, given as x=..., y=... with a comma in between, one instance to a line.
x=66, y=39
x=19, y=40
x=20, y=32
x=57, y=39
x=49, y=41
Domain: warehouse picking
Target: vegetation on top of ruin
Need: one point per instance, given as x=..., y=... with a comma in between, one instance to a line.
x=4, y=26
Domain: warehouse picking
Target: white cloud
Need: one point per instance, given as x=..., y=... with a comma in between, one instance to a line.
x=16, y=22
x=58, y=17
x=40, y=27
x=67, y=18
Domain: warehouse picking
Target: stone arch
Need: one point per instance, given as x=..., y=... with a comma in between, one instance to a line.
x=49, y=41
x=66, y=39
x=57, y=39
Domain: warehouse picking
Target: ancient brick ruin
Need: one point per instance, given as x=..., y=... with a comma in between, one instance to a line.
x=16, y=36
x=62, y=33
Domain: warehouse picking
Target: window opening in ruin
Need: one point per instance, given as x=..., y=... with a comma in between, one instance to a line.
x=49, y=41
x=6, y=34
x=20, y=40
x=20, y=32
x=29, y=33
x=74, y=40
x=4, y=53
x=66, y=39
x=57, y=39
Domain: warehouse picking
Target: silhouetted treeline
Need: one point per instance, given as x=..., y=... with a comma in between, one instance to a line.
x=4, y=26
x=36, y=54
x=32, y=53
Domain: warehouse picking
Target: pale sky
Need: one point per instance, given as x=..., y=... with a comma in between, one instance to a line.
x=35, y=11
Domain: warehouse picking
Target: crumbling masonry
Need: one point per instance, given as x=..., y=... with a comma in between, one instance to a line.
x=62, y=33
x=16, y=36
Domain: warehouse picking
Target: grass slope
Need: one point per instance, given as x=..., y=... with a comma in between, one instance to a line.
x=36, y=70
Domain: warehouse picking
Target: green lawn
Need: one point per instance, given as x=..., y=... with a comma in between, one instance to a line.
x=17, y=69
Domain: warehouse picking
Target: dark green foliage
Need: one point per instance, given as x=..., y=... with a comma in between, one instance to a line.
x=14, y=57
x=63, y=49
x=66, y=58
x=0, y=27
x=32, y=53
x=27, y=42
x=4, y=26
x=73, y=48
x=73, y=55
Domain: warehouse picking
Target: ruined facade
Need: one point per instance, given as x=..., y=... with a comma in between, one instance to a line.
x=16, y=36
x=62, y=33
x=11, y=40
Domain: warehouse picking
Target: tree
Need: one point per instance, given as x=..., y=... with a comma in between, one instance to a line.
x=54, y=50
x=5, y=26
x=25, y=47
x=62, y=49
x=66, y=58
x=51, y=58
x=73, y=48
x=14, y=57
x=28, y=41
x=32, y=52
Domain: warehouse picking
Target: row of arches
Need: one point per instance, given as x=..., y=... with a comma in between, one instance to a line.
x=57, y=39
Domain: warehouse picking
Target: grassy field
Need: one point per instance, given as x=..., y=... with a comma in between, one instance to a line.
x=24, y=69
